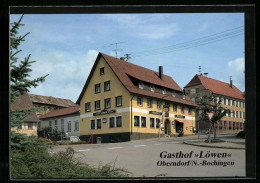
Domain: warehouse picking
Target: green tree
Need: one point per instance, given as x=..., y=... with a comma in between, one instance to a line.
x=20, y=77
x=209, y=104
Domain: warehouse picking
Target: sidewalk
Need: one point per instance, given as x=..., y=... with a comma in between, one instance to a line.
x=233, y=143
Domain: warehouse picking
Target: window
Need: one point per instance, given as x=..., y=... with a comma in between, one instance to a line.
x=118, y=101
x=224, y=100
x=30, y=126
x=87, y=107
x=56, y=124
x=136, y=121
x=197, y=90
x=97, y=105
x=229, y=125
x=197, y=100
x=107, y=103
x=189, y=110
x=140, y=85
x=192, y=91
x=69, y=126
x=39, y=125
x=140, y=101
x=229, y=102
x=237, y=114
x=159, y=104
x=234, y=125
x=92, y=124
x=107, y=86
x=62, y=125
x=102, y=71
x=158, y=122
x=152, y=88
x=182, y=109
x=97, y=88
x=151, y=122
x=119, y=121
x=234, y=103
x=111, y=122
x=164, y=91
x=98, y=123
x=50, y=123
x=149, y=102
x=76, y=128
x=143, y=121
x=175, y=107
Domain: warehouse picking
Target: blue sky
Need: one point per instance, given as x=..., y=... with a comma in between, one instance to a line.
x=66, y=46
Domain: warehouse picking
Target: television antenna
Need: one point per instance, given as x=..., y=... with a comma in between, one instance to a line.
x=116, y=49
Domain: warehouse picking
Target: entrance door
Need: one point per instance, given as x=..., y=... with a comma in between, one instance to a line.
x=167, y=125
x=178, y=126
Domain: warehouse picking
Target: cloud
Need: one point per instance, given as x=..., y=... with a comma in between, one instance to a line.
x=145, y=27
x=68, y=73
x=236, y=69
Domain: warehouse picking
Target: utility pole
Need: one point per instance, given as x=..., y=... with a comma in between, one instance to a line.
x=199, y=69
x=116, y=50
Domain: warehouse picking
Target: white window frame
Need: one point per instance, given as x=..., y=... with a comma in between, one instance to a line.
x=76, y=127
x=151, y=103
x=141, y=122
x=94, y=124
x=107, y=86
x=154, y=122
x=138, y=101
x=107, y=101
x=69, y=126
x=117, y=100
x=98, y=88
x=31, y=123
x=159, y=107
x=97, y=101
x=62, y=125
x=109, y=121
x=56, y=123
x=87, y=107
x=96, y=120
x=121, y=122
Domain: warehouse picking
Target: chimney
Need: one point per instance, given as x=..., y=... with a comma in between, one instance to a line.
x=50, y=98
x=161, y=72
x=230, y=82
x=122, y=58
x=206, y=74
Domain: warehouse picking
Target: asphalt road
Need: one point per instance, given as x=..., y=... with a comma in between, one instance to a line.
x=149, y=158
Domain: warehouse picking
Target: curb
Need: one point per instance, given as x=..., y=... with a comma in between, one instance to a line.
x=223, y=147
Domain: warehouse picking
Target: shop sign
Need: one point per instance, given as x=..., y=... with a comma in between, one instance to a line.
x=155, y=113
x=179, y=116
x=104, y=112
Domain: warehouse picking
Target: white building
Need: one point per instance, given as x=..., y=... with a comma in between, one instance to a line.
x=66, y=120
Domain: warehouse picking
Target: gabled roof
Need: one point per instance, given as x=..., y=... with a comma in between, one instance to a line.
x=123, y=70
x=51, y=100
x=24, y=102
x=61, y=112
x=216, y=86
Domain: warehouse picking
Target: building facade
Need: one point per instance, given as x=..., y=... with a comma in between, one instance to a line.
x=230, y=97
x=64, y=120
x=45, y=105
x=122, y=101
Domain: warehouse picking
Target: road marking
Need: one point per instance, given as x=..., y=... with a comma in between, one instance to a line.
x=139, y=145
x=114, y=147
x=84, y=150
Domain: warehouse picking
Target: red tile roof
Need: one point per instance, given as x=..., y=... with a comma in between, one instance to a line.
x=61, y=112
x=123, y=70
x=24, y=102
x=216, y=86
x=51, y=100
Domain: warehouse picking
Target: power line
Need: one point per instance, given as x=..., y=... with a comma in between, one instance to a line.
x=194, y=43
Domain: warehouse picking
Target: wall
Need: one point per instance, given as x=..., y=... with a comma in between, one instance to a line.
x=25, y=129
x=68, y=118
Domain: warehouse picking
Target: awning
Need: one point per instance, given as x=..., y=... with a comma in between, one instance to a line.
x=181, y=120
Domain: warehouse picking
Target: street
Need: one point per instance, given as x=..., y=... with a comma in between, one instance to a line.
x=167, y=157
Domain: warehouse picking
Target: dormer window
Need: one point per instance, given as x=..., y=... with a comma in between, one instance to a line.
x=164, y=91
x=173, y=94
x=152, y=88
x=141, y=85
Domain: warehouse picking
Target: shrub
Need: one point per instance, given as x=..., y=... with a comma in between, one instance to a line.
x=36, y=162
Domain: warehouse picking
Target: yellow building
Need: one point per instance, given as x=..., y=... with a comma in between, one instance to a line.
x=229, y=96
x=46, y=104
x=121, y=101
